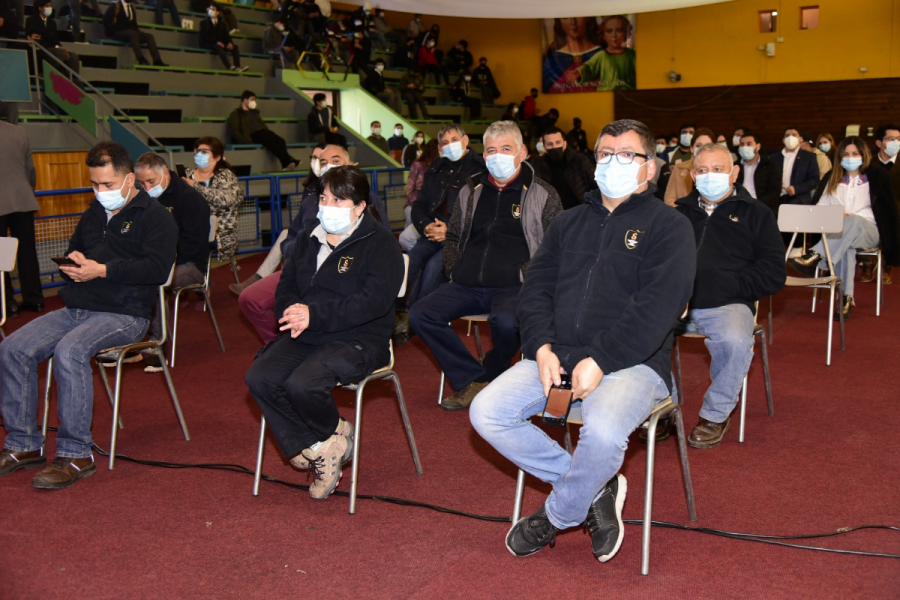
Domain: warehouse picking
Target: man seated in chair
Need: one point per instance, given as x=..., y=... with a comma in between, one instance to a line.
x=122, y=250
x=191, y=212
x=335, y=307
x=599, y=302
x=740, y=259
x=497, y=224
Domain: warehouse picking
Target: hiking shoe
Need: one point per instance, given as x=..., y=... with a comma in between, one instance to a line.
x=463, y=398
x=344, y=428
x=663, y=430
x=604, y=520
x=154, y=365
x=237, y=288
x=11, y=460
x=325, y=458
x=109, y=360
x=531, y=534
x=63, y=472
x=708, y=434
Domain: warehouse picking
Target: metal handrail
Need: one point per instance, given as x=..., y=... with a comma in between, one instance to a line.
x=35, y=47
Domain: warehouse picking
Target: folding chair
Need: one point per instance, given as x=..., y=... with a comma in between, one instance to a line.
x=471, y=320
x=118, y=353
x=8, y=248
x=663, y=409
x=798, y=218
x=386, y=372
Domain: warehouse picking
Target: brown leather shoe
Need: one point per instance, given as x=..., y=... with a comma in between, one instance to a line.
x=463, y=398
x=886, y=275
x=663, y=431
x=708, y=434
x=11, y=460
x=63, y=472
x=867, y=272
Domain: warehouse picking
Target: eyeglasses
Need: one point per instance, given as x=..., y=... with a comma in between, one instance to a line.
x=623, y=158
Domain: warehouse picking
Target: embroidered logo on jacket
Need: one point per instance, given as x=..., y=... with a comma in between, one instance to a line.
x=632, y=237
x=517, y=211
x=733, y=218
x=344, y=264
x=126, y=227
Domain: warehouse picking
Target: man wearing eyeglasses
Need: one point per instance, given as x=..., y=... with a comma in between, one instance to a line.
x=599, y=302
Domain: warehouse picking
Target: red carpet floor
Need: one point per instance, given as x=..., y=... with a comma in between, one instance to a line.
x=829, y=458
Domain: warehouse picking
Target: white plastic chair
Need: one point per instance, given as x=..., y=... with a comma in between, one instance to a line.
x=8, y=248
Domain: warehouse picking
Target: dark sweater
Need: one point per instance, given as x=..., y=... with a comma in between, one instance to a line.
x=213, y=34
x=740, y=253
x=578, y=173
x=352, y=294
x=191, y=212
x=443, y=180
x=115, y=20
x=138, y=248
x=609, y=285
x=46, y=29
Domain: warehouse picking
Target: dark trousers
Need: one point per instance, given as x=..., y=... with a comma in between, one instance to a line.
x=433, y=69
x=75, y=14
x=274, y=143
x=136, y=38
x=430, y=319
x=173, y=12
x=292, y=382
x=21, y=226
x=223, y=54
x=72, y=62
x=474, y=106
x=426, y=270
x=413, y=99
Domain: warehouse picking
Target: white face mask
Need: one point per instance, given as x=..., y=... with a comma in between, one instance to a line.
x=48, y=11
x=685, y=139
x=420, y=140
x=398, y=131
x=736, y=140
x=379, y=68
x=335, y=219
x=892, y=148
x=112, y=199
x=252, y=105
x=314, y=165
x=325, y=168
x=660, y=148
x=376, y=131
x=723, y=143
x=212, y=14
x=501, y=166
x=539, y=146
x=791, y=142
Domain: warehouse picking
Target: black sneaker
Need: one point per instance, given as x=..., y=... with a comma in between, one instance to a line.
x=531, y=534
x=604, y=520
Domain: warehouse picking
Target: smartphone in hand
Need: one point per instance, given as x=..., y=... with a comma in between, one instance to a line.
x=65, y=260
x=559, y=401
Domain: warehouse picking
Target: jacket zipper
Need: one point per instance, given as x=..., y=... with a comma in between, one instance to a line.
x=587, y=282
x=490, y=230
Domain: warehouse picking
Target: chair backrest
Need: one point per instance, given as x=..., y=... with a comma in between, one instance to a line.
x=213, y=224
x=8, y=248
x=402, y=291
x=799, y=218
x=162, y=304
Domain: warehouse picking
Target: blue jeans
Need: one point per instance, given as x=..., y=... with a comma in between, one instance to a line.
x=501, y=415
x=431, y=316
x=858, y=233
x=729, y=339
x=426, y=270
x=72, y=336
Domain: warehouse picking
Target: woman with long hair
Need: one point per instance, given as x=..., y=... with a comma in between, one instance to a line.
x=430, y=153
x=870, y=216
x=825, y=143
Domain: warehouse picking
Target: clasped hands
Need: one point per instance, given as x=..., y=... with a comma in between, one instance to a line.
x=586, y=375
x=295, y=319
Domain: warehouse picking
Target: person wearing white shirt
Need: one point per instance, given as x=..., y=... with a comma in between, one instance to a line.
x=799, y=168
x=887, y=140
x=759, y=175
x=870, y=216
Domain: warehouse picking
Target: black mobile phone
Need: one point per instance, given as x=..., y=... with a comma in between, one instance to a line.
x=179, y=168
x=559, y=401
x=64, y=260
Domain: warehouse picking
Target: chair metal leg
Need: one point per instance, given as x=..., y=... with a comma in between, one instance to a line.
x=767, y=378
x=678, y=388
x=771, y=331
x=109, y=393
x=468, y=328
x=478, y=342
x=116, y=398
x=831, y=324
x=212, y=317
x=743, y=410
x=520, y=492
x=879, y=297
x=840, y=287
x=356, y=433
x=234, y=269
x=441, y=389
x=685, y=464
x=259, y=455
x=648, y=493
x=175, y=327
x=401, y=402
x=47, y=399
x=165, y=368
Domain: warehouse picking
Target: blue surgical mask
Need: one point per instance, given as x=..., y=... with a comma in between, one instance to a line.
x=501, y=166
x=714, y=186
x=616, y=180
x=747, y=152
x=201, y=159
x=335, y=219
x=825, y=147
x=112, y=199
x=851, y=163
x=892, y=148
x=453, y=151
x=156, y=191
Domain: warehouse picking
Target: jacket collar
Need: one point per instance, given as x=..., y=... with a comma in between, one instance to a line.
x=692, y=200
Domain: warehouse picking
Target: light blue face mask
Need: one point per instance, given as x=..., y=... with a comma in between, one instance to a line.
x=201, y=159
x=714, y=186
x=747, y=152
x=892, y=148
x=501, y=166
x=851, y=163
x=335, y=219
x=112, y=199
x=825, y=147
x=453, y=151
x=616, y=180
x=156, y=191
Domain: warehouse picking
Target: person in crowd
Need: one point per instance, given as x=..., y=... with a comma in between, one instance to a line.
x=740, y=259
x=40, y=27
x=484, y=81
x=661, y=148
x=799, y=170
x=376, y=86
x=378, y=30
x=317, y=16
x=431, y=211
x=460, y=92
x=415, y=27
x=825, y=143
x=428, y=61
x=457, y=60
x=214, y=37
x=169, y=5
x=870, y=216
x=120, y=23
x=736, y=138
x=17, y=208
x=279, y=40
x=887, y=141
x=545, y=122
x=660, y=179
x=407, y=54
x=642, y=267
x=397, y=142
x=246, y=126
x=257, y=298
x=413, y=150
x=191, y=213
x=75, y=11
x=412, y=86
x=123, y=248
x=431, y=35
x=807, y=142
x=759, y=175
x=673, y=142
x=10, y=23
x=577, y=137
x=414, y=184
x=723, y=141
x=495, y=229
x=335, y=302
x=682, y=151
x=613, y=68
x=530, y=113
x=376, y=138
x=511, y=113
x=569, y=172
x=321, y=120
x=218, y=184
x=362, y=52
x=202, y=7
x=680, y=182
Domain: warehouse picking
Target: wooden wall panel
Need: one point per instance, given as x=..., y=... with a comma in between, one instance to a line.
x=817, y=107
x=62, y=170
